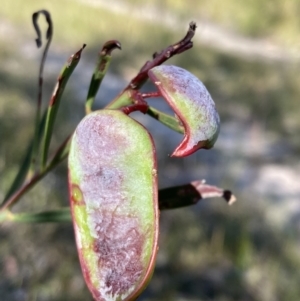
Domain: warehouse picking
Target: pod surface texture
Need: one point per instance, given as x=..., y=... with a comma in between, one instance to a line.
x=113, y=196
x=193, y=105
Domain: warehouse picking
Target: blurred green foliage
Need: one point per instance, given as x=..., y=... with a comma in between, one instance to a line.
x=208, y=252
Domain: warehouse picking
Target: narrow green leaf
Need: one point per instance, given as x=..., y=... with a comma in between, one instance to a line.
x=53, y=216
x=103, y=63
x=26, y=170
x=36, y=146
x=166, y=119
x=54, y=103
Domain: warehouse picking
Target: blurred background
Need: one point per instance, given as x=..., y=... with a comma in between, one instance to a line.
x=247, y=54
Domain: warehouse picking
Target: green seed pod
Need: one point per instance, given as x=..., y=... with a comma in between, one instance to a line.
x=113, y=195
x=193, y=105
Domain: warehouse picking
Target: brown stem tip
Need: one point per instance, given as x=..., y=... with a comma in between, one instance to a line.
x=49, y=32
x=229, y=197
x=109, y=46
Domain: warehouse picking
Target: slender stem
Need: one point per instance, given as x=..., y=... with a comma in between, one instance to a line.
x=25, y=188
x=61, y=153
x=49, y=35
x=21, y=174
x=151, y=94
x=142, y=107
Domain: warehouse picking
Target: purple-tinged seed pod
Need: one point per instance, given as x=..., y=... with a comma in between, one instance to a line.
x=193, y=105
x=113, y=196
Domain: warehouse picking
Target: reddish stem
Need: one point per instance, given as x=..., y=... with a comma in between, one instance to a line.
x=159, y=58
x=136, y=107
x=151, y=94
x=139, y=104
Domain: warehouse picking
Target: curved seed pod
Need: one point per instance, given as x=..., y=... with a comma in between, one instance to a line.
x=193, y=105
x=113, y=195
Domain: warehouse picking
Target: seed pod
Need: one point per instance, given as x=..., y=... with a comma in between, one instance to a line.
x=193, y=105
x=113, y=195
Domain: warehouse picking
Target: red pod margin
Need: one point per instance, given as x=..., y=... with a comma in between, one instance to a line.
x=193, y=105
x=113, y=195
